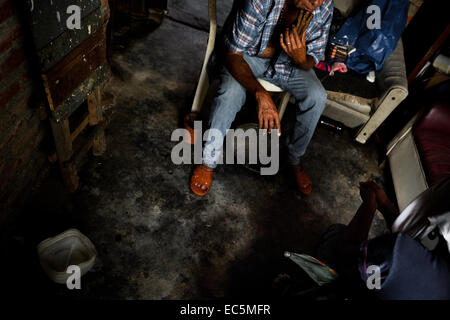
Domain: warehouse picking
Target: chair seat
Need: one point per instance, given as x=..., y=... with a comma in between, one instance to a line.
x=269, y=86
x=350, y=82
x=432, y=135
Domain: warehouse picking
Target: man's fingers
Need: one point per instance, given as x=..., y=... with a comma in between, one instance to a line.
x=293, y=33
x=298, y=41
x=282, y=43
x=260, y=120
x=265, y=124
x=270, y=124
x=277, y=124
x=287, y=38
x=292, y=39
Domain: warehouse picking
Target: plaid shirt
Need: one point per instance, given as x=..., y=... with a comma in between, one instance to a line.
x=255, y=23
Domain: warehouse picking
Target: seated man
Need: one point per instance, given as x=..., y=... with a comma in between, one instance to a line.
x=263, y=43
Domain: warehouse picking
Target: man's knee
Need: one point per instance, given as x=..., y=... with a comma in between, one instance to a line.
x=316, y=98
x=321, y=96
x=229, y=99
x=231, y=90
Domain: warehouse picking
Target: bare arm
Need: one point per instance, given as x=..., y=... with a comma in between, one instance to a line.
x=359, y=227
x=267, y=111
x=241, y=71
x=373, y=198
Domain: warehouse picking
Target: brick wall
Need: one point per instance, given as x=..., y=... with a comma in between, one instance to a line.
x=23, y=162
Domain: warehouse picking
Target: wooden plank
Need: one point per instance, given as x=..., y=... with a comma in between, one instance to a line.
x=95, y=107
x=99, y=142
x=70, y=175
x=59, y=47
x=74, y=68
x=79, y=95
x=69, y=168
x=431, y=51
x=132, y=7
x=80, y=128
x=105, y=11
x=86, y=144
x=63, y=142
x=95, y=117
x=48, y=18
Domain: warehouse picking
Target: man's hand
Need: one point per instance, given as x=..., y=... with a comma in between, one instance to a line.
x=295, y=47
x=267, y=112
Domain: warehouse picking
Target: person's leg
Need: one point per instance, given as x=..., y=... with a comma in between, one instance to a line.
x=358, y=229
x=229, y=99
x=386, y=207
x=342, y=249
x=311, y=97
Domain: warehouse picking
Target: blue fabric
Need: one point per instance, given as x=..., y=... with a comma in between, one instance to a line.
x=410, y=271
x=373, y=46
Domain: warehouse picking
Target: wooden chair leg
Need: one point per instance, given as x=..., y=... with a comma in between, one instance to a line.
x=70, y=175
x=95, y=107
x=283, y=104
x=63, y=141
x=68, y=161
x=95, y=117
x=99, y=143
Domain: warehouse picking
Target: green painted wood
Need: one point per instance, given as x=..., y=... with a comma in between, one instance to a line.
x=48, y=18
x=79, y=95
x=57, y=49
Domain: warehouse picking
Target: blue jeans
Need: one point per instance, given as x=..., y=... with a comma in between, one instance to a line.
x=307, y=90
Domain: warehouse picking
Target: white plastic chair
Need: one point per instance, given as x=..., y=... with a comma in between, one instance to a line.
x=203, y=82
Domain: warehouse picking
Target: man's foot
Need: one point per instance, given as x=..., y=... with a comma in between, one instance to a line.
x=201, y=179
x=303, y=181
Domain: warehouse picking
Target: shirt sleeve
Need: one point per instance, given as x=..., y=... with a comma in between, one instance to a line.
x=317, y=42
x=246, y=28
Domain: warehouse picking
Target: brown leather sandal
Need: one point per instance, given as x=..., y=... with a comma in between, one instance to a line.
x=202, y=175
x=304, y=183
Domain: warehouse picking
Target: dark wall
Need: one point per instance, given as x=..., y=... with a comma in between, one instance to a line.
x=22, y=129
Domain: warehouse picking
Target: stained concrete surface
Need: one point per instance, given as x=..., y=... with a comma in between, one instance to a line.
x=156, y=239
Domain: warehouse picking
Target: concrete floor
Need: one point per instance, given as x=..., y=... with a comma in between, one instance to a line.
x=157, y=240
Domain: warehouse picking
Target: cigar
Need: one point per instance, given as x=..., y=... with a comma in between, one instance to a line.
x=341, y=51
x=308, y=20
x=338, y=55
x=299, y=19
x=303, y=20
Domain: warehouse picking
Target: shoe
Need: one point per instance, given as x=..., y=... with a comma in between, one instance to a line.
x=303, y=181
x=201, y=180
